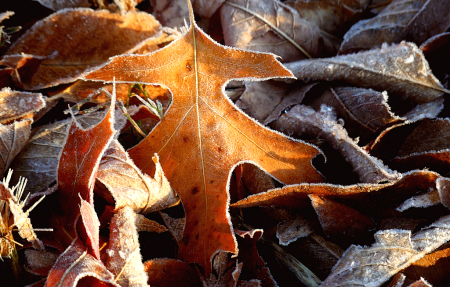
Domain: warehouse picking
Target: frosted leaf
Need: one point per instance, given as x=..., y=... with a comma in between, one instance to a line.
x=242, y=30
x=62, y=4
x=392, y=251
x=424, y=200
x=74, y=264
x=127, y=266
x=207, y=8
x=46, y=65
x=175, y=226
x=304, y=120
x=259, y=98
x=393, y=72
x=13, y=138
x=291, y=230
x=18, y=104
x=364, y=111
x=129, y=186
x=36, y=259
x=415, y=21
x=145, y=224
x=443, y=187
x=171, y=272
x=420, y=283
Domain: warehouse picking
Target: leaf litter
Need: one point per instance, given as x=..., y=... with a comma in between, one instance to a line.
x=224, y=186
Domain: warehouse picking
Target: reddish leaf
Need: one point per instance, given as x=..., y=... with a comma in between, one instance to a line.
x=203, y=136
x=89, y=228
x=16, y=105
x=75, y=264
x=77, y=168
x=169, y=272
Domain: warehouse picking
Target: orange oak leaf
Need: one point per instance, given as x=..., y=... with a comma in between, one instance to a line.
x=203, y=136
x=77, y=168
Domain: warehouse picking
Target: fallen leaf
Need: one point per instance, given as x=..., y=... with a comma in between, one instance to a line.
x=38, y=160
x=128, y=186
x=13, y=138
x=63, y=32
x=364, y=111
x=400, y=69
x=77, y=168
x=340, y=220
x=433, y=267
x=304, y=120
x=207, y=8
x=420, y=283
x=443, y=189
x=175, y=226
x=392, y=251
x=16, y=105
x=39, y=262
x=123, y=257
x=280, y=31
x=165, y=272
x=414, y=21
x=291, y=230
x=75, y=265
x=203, y=136
x=88, y=228
x=144, y=224
x=330, y=15
x=63, y=4
x=424, y=200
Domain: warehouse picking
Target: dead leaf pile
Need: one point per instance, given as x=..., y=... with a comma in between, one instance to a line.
x=225, y=143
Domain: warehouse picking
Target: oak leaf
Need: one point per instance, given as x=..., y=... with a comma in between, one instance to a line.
x=61, y=37
x=203, y=136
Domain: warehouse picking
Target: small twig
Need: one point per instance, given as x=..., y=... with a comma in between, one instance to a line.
x=271, y=26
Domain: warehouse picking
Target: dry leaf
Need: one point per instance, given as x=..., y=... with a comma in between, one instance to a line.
x=62, y=40
x=414, y=21
x=424, y=200
x=338, y=219
x=304, y=120
x=203, y=136
x=175, y=226
x=16, y=105
x=129, y=186
x=144, y=224
x=247, y=31
x=88, y=228
x=63, y=4
x=171, y=13
x=291, y=230
x=400, y=69
x=75, y=265
x=39, y=262
x=123, y=257
x=166, y=272
x=78, y=165
x=364, y=111
x=207, y=8
x=260, y=98
x=420, y=283
x=13, y=138
x=433, y=267
x=38, y=160
x=392, y=251
x=329, y=15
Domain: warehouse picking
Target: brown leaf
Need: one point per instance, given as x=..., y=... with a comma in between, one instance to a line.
x=203, y=136
x=364, y=111
x=13, y=138
x=420, y=283
x=16, y=105
x=400, y=69
x=424, y=200
x=427, y=146
x=166, y=272
x=340, y=220
x=247, y=31
x=65, y=33
x=433, y=267
x=304, y=120
x=260, y=98
x=443, y=188
x=207, y=8
x=291, y=230
x=144, y=224
x=38, y=160
x=39, y=262
x=63, y=4
x=129, y=186
x=329, y=15
x=76, y=264
x=414, y=21
x=175, y=226
x=171, y=13
x=392, y=251
x=78, y=165
x=88, y=228
x=123, y=257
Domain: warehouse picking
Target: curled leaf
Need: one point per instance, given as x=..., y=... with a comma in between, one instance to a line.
x=18, y=104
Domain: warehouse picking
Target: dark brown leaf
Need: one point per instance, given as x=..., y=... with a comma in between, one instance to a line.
x=16, y=105
x=13, y=138
x=169, y=272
